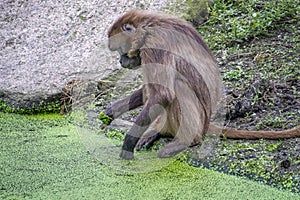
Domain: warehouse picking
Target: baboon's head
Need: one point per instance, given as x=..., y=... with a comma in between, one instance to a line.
x=122, y=37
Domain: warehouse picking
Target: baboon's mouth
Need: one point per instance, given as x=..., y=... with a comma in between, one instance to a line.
x=130, y=63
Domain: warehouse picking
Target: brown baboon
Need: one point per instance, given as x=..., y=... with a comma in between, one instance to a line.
x=181, y=88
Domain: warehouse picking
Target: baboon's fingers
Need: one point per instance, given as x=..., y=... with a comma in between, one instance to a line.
x=147, y=142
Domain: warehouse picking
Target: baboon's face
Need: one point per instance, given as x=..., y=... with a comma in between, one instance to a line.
x=120, y=39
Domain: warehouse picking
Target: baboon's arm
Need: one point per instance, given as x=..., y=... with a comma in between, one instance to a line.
x=128, y=103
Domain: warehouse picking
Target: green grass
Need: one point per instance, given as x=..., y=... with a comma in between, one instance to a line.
x=235, y=21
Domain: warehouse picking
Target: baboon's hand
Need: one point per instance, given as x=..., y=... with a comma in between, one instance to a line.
x=147, y=142
x=126, y=155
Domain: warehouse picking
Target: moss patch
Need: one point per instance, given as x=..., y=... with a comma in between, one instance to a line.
x=51, y=106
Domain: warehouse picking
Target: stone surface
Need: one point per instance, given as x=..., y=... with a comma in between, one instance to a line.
x=46, y=44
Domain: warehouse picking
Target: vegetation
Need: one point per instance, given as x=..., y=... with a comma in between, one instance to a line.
x=236, y=21
x=53, y=106
x=104, y=118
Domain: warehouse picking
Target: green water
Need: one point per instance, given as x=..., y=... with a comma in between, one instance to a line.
x=44, y=157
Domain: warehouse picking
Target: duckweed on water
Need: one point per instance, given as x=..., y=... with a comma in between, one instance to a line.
x=42, y=157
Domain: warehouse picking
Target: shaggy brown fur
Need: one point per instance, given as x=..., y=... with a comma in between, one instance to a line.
x=182, y=87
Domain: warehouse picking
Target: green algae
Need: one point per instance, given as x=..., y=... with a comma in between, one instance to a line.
x=53, y=106
x=42, y=157
x=105, y=118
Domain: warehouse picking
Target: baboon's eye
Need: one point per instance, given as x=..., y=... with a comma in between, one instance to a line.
x=129, y=28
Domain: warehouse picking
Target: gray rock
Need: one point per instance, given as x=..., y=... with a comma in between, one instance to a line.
x=46, y=44
x=121, y=124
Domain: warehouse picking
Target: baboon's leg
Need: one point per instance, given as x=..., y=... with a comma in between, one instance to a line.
x=151, y=112
x=191, y=125
x=172, y=149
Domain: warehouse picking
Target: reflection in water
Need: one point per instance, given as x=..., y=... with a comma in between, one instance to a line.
x=107, y=152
